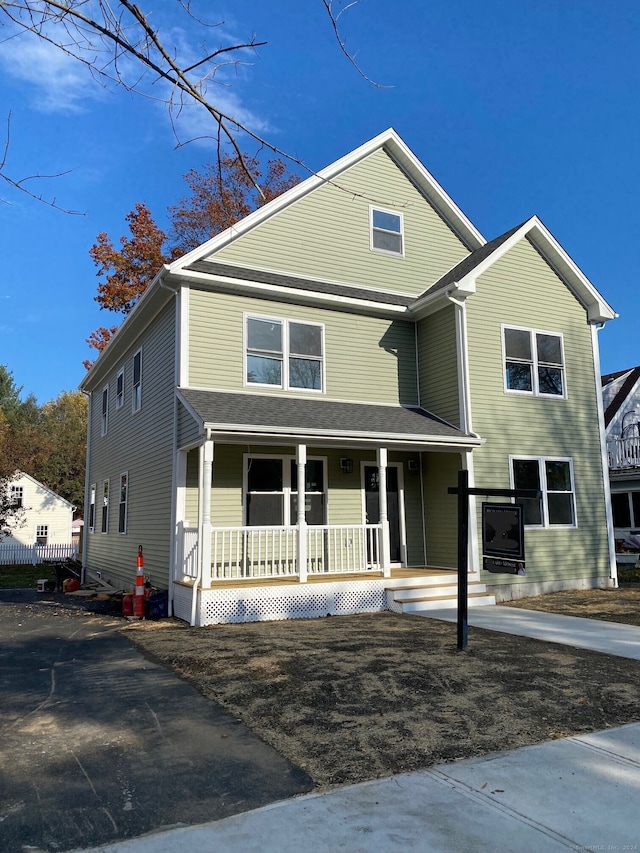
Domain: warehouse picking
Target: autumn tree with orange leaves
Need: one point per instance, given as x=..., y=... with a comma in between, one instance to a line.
x=221, y=194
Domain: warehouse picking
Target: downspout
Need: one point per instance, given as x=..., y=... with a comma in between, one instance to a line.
x=87, y=489
x=458, y=298
x=613, y=566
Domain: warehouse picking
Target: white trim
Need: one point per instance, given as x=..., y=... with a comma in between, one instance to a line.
x=374, y=208
x=598, y=309
x=613, y=566
x=473, y=556
x=546, y=525
x=535, y=390
x=104, y=519
x=399, y=466
x=183, y=322
x=104, y=410
x=288, y=488
x=388, y=141
x=126, y=503
x=136, y=398
x=120, y=397
x=284, y=354
x=93, y=492
x=464, y=385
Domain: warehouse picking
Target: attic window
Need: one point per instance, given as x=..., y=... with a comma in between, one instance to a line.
x=386, y=231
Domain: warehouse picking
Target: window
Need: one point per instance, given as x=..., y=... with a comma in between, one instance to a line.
x=272, y=491
x=122, y=506
x=626, y=509
x=534, y=362
x=92, y=508
x=42, y=534
x=17, y=496
x=554, y=478
x=105, y=506
x=137, y=382
x=386, y=231
x=284, y=353
x=120, y=388
x=104, y=423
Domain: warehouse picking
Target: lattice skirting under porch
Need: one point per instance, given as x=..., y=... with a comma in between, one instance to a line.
x=304, y=601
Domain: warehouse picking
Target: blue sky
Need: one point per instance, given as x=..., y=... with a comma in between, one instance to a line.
x=515, y=108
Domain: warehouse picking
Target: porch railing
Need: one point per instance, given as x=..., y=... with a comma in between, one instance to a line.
x=253, y=552
x=343, y=549
x=187, y=562
x=624, y=452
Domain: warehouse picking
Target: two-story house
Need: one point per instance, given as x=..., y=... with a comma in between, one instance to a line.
x=621, y=399
x=279, y=419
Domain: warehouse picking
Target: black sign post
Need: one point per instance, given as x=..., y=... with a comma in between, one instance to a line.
x=464, y=492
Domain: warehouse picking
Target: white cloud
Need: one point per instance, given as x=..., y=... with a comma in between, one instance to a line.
x=60, y=84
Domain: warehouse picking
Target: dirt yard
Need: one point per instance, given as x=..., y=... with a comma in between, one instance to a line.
x=355, y=698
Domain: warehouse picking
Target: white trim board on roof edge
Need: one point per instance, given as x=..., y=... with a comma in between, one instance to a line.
x=389, y=141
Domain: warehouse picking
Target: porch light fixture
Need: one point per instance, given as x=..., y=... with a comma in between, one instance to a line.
x=346, y=465
x=413, y=465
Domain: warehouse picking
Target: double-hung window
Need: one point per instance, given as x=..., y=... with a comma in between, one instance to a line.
x=105, y=506
x=92, y=508
x=626, y=509
x=123, y=503
x=104, y=418
x=554, y=478
x=42, y=534
x=272, y=491
x=120, y=388
x=386, y=231
x=534, y=362
x=137, y=382
x=284, y=353
x=17, y=496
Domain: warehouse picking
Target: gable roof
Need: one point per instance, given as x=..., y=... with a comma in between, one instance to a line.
x=320, y=421
x=405, y=159
x=23, y=474
x=620, y=397
x=462, y=277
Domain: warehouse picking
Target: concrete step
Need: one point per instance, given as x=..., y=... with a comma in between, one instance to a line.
x=444, y=603
x=436, y=592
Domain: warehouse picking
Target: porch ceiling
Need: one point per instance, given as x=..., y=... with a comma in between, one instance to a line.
x=233, y=415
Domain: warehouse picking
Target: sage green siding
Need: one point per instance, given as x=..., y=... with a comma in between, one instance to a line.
x=366, y=358
x=188, y=428
x=140, y=444
x=441, y=509
x=522, y=290
x=325, y=234
x=345, y=501
x=438, y=365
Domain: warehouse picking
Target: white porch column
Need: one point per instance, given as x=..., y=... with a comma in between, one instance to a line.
x=385, y=545
x=205, y=544
x=301, y=461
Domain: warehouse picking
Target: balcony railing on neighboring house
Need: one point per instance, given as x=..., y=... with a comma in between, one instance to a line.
x=623, y=452
x=260, y=553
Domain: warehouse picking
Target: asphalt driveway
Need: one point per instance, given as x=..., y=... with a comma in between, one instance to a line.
x=98, y=743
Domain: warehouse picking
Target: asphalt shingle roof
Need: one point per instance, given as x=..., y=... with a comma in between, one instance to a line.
x=237, y=412
x=290, y=281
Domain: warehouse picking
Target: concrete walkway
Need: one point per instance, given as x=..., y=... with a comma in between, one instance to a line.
x=611, y=638
x=578, y=793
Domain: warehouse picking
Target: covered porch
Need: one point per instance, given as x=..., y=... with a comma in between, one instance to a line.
x=246, y=545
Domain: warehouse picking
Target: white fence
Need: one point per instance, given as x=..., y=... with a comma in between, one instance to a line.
x=624, y=452
x=16, y=554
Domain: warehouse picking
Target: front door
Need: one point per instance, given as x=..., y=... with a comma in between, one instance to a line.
x=372, y=505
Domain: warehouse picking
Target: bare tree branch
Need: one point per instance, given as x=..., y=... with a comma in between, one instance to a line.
x=116, y=41
x=335, y=18
x=20, y=184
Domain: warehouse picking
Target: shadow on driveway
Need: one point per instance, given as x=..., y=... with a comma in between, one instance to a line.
x=99, y=744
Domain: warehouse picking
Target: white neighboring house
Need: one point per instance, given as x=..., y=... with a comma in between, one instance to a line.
x=46, y=519
x=621, y=398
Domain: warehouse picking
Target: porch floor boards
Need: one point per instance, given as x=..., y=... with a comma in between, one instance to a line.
x=328, y=577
